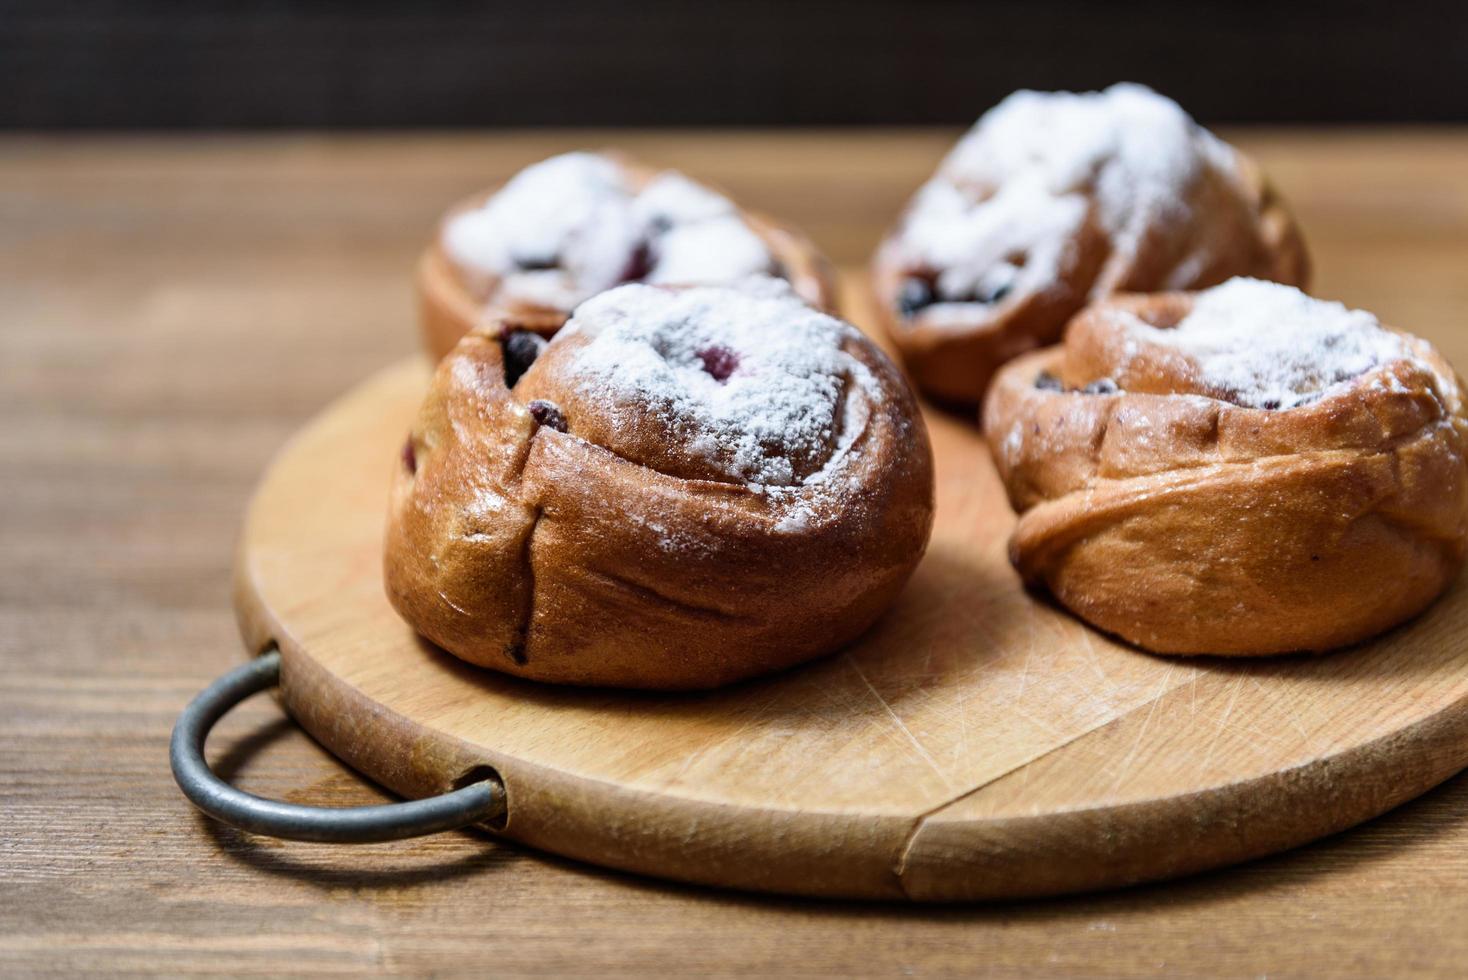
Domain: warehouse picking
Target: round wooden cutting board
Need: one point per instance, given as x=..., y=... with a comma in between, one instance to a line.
x=978, y=743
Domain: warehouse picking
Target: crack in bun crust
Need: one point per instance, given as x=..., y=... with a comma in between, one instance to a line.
x=612, y=553
x=1186, y=523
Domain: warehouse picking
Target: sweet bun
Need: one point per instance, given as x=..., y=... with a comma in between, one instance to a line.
x=685, y=487
x=571, y=226
x=1240, y=471
x=1054, y=199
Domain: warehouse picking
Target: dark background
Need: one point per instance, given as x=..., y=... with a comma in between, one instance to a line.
x=151, y=63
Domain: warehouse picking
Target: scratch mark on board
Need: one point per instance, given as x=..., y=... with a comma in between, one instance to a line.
x=1093, y=661
x=922, y=752
x=1126, y=763
x=1294, y=719
x=1228, y=711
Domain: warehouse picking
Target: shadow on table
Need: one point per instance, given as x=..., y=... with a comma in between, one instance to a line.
x=421, y=861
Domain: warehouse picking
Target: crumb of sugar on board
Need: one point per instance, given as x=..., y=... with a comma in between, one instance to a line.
x=751, y=379
x=1271, y=346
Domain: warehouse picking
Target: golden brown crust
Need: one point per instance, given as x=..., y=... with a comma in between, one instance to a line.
x=1235, y=225
x=448, y=307
x=548, y=555
x=1187, y=524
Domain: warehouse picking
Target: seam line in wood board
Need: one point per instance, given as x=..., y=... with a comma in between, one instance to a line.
x=1446, y=727
x=905, y=850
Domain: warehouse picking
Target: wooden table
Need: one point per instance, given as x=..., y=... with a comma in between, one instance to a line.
x=172, y=308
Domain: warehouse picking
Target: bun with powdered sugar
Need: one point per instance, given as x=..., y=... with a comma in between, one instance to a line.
x=1054, y=199
x=684, y=487
x=571, y=226
x=1240, y=471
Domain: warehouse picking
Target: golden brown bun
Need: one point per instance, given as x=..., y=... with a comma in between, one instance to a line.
x=1188, y=524
x=448, y=306
x=1229, y=222
x=609, y=554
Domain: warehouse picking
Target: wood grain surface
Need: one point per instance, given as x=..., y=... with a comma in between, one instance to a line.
x=977, y=743
x=173, y=309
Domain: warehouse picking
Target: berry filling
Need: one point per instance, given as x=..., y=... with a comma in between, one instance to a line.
x=919, y=292
x=994, y=295
x=536, y=263
x=914, y=295
x=521, y=348
x=719, y=362
x=639, y=263
x=547, y=414
x=410, y=456
x=1046, y=381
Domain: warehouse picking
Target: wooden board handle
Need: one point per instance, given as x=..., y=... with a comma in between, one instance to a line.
x=482, y=800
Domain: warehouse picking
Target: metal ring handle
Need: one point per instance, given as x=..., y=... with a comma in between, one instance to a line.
x=483, y=800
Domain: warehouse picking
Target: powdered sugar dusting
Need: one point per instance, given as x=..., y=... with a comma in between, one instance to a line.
x=775, y=422
x=573, y=225
x=558, y=230
x=1271, y=346
x=718, y=250
x=1015, y=238
x=1020, y=183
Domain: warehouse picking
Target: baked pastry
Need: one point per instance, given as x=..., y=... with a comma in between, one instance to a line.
x=1054, y=199
x=685, y=487
x=569, y=227
x=1245, y=470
